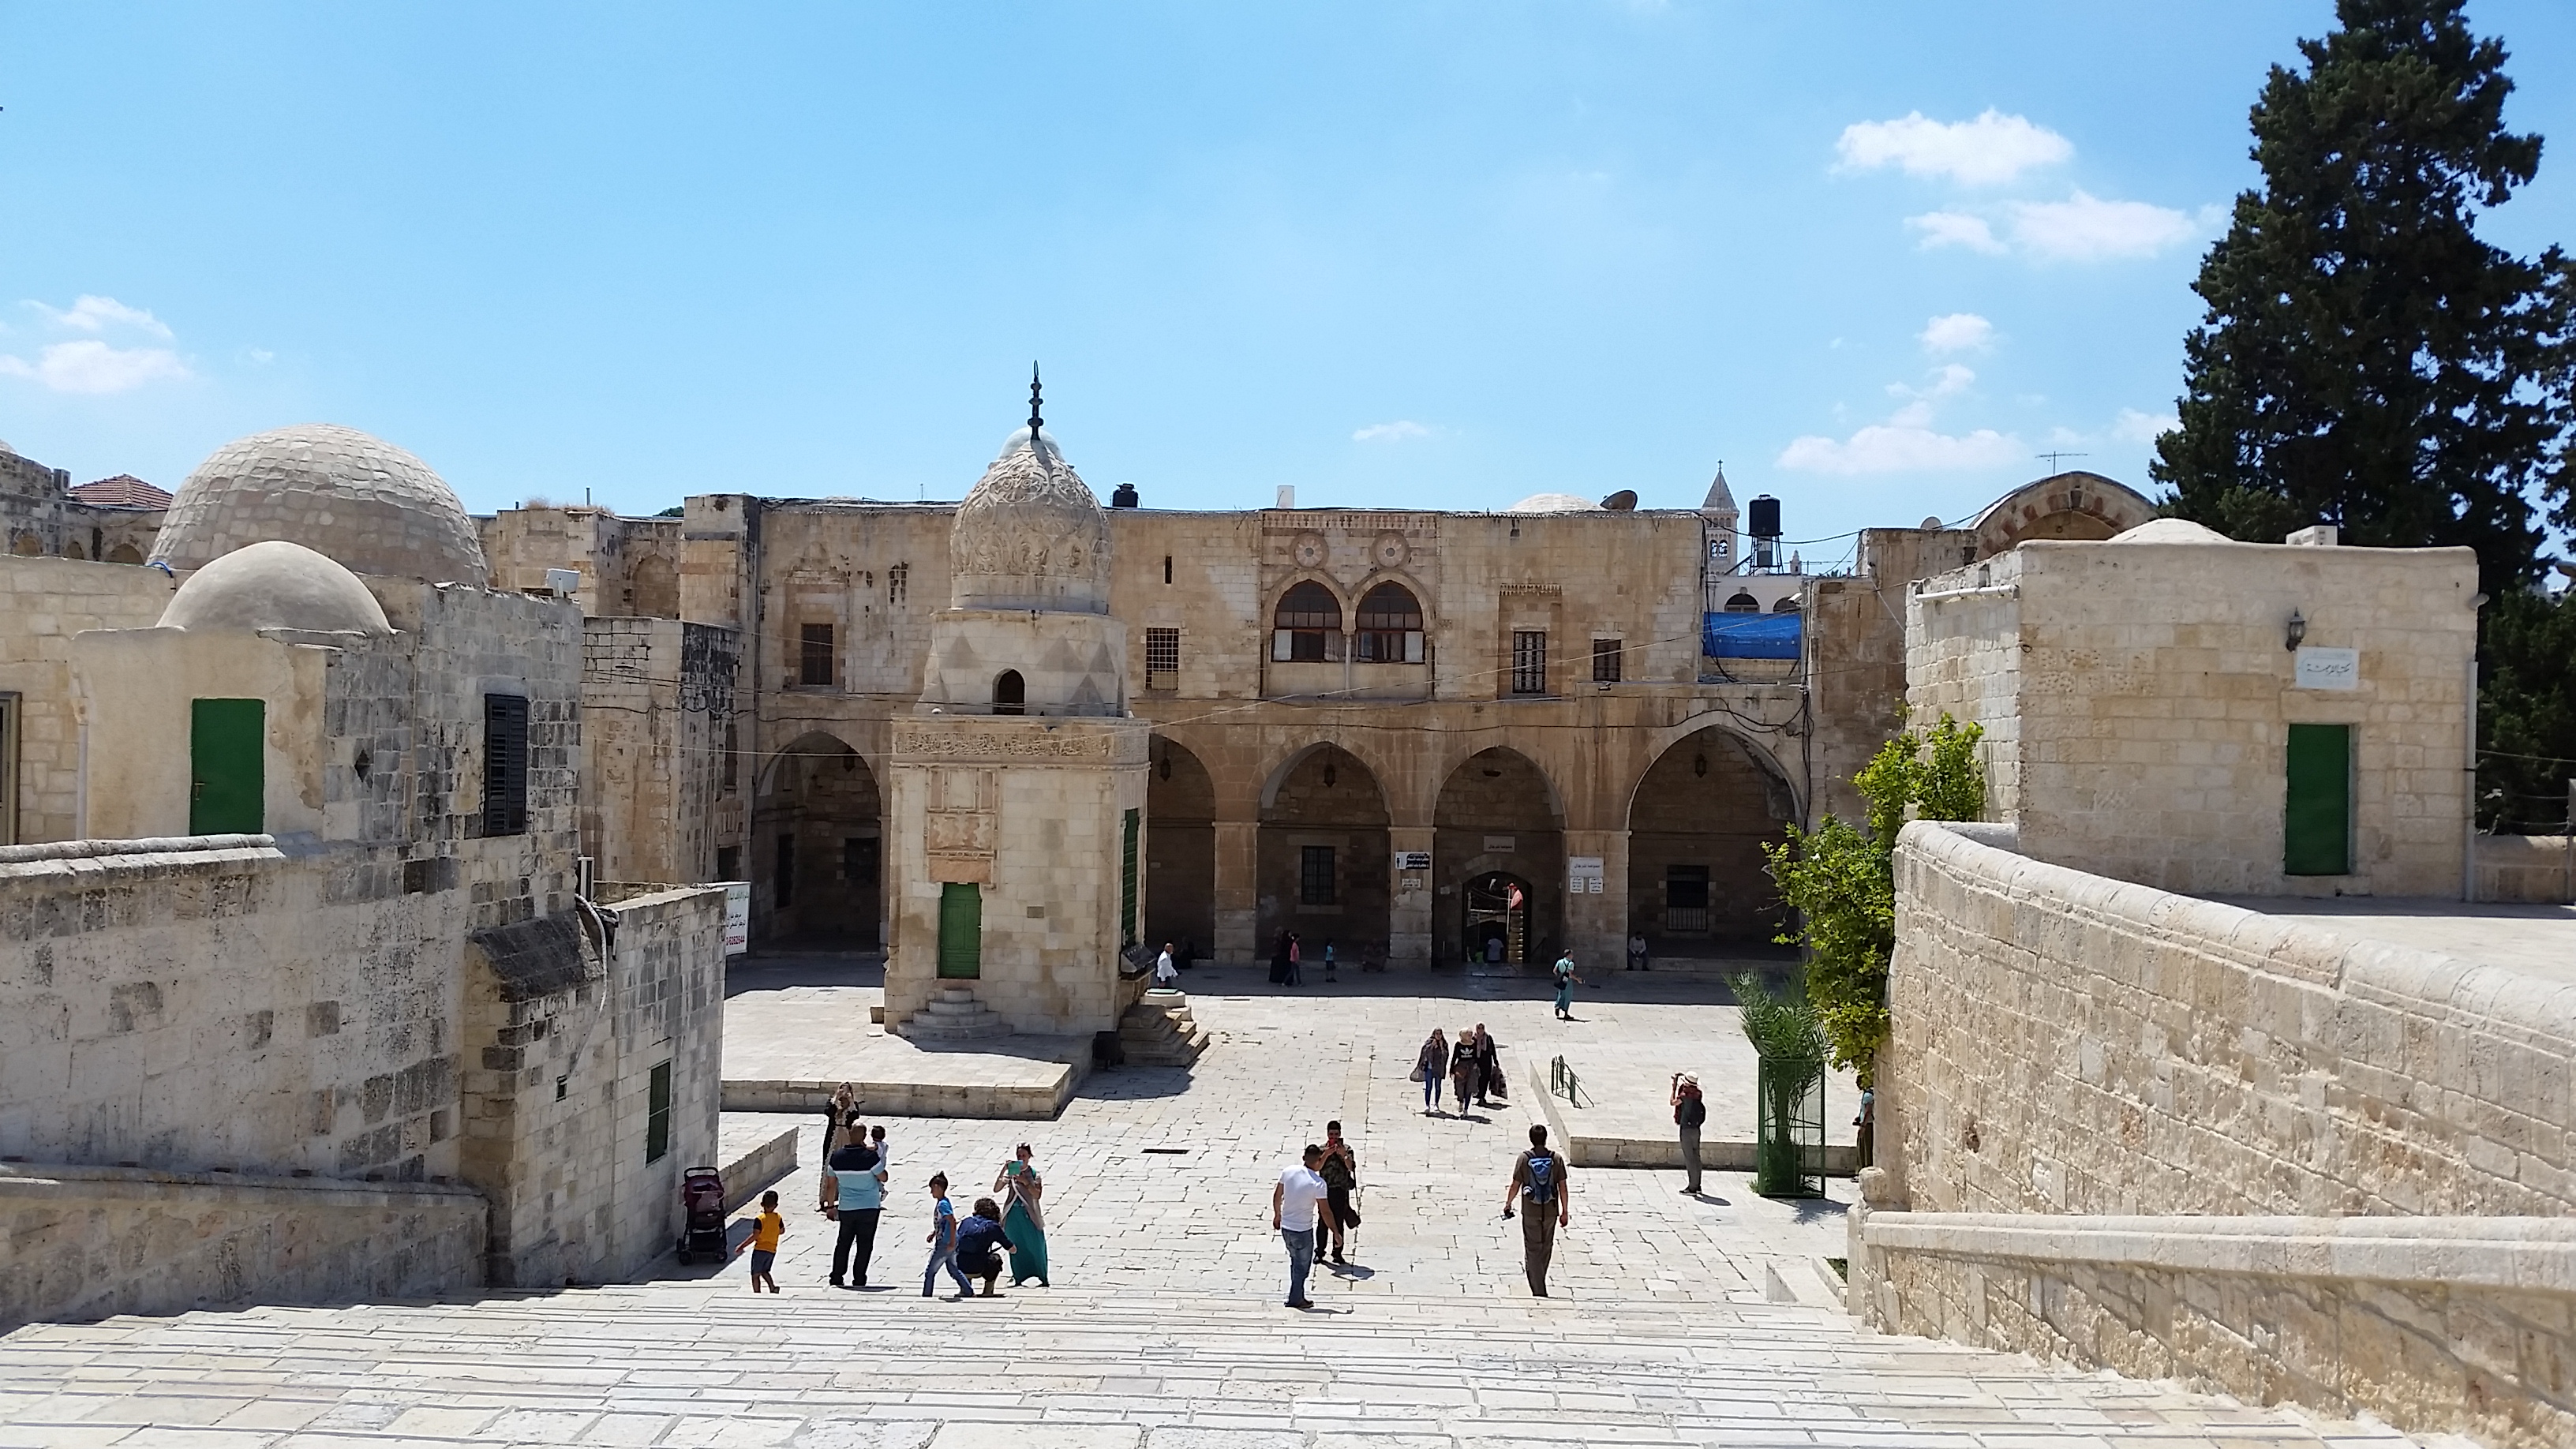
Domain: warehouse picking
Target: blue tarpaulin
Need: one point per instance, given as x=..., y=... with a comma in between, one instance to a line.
x=1751, y=636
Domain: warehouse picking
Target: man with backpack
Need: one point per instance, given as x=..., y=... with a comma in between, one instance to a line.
x=1689, y=1111
x=1538, y=1189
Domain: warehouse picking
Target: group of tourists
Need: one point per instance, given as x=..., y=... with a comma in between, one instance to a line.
x=857, y=1169
x=1288, y=960
x=1472, y=1065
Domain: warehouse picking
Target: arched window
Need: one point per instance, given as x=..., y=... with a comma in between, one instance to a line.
x=27, y=545
x=1788, y=605
x=1744, y=604
x=1308, y=625
x=1010, y=693
x=1390, y=626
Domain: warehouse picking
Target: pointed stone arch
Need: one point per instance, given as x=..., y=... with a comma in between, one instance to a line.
x=1698, y=883
x=818, y=846
x=1180, y=848
x=1498, y=815
x=1323, y=868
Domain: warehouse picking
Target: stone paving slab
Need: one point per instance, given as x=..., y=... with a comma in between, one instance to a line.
x=786, y=1049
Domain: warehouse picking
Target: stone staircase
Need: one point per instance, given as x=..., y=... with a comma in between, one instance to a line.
x=1158, y=1031
x=702, y=1362
x=953, y=1015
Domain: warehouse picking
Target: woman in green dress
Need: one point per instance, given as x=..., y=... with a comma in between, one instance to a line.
x=1024, y=1221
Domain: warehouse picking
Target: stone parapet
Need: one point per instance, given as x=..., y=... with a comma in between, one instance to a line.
x=93, y=1242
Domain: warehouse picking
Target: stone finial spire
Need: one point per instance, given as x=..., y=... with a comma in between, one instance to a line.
x=1719, y=499
x=1035, y=420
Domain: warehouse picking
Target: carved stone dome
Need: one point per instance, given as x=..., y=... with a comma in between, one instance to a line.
x=1030, y=535
x=356, y=499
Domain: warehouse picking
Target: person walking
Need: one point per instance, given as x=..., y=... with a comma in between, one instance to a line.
x=980, y=1240
x=1021, y=1187
x=1689, y=1111
x=854, y=1193
x=1294, y=1205
x=1329, y=977
x=1166, y=972
x=1566, y=981
x=1489, y=1068
x=1636, y=950
x=1341, y=1174
x=1538, y=1189
x=1431, y=1068
x=943, y=1241
x=1296, y=959
x=1866, y=1125
x=1462, y=1069
x=1279, y=961
x=763, y=1242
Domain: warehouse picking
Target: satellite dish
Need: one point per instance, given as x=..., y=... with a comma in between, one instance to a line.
x=1933, y=522
x=1623, y=501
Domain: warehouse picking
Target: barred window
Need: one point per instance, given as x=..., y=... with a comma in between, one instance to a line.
x=1315, y=876
x=817, y=661
x=1162, y=658
x=1529, y=661
x=1605, y=661
x=1390, y=626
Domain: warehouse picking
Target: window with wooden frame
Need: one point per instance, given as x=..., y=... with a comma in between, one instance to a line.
x=1316, y=884
x=1307, y=627
x=505, y=764
x=1162, y=658
x=1390, y=626
x=1529, y=661
x=1605, y=661
x=815, y=657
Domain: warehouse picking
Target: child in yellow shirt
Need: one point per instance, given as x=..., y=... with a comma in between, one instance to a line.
x=763, y=1242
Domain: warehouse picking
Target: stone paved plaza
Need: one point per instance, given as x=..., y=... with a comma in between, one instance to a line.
x=1678, y=1320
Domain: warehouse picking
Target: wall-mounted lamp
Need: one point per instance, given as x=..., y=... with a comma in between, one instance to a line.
x=1166, y=766
x=2298, y=630
x=1699, y=766
x=1328, y=772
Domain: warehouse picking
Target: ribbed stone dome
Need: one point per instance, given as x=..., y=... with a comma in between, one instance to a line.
x=274, y=585
x=1030, y=535
x=356, y=499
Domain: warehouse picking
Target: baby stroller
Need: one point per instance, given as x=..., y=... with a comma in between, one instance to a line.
x=702, y=1197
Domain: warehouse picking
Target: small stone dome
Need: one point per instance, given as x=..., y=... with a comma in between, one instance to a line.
x=1030, y=535
x=274, y=585
x=2171, y=530
x=1554, y=503
x=360, y=500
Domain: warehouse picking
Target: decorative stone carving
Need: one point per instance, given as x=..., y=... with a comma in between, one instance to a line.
x=1030, y=535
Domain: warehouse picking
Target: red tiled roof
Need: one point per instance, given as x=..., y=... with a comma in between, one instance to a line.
x=122, y=491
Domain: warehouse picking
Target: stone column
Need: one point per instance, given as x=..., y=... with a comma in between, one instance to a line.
x=1238, y=890
x=1596, y=925
x=1408, y=916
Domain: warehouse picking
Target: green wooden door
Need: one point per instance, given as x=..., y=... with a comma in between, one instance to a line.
x=227, y=778
x=2316, y=833
x=961, y=931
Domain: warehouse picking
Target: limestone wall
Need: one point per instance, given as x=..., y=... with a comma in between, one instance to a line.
x=2526, y=868
x=208, y=1002
x=659, y=796
x=2069, y=1044
x=47, y=601
x=2138, y=697
x=92, y=1242
x=561, y=1046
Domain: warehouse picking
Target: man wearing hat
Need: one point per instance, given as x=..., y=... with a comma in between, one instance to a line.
x=1689, y=1111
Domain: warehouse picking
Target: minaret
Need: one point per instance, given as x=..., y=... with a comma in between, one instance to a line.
x=1718, y=525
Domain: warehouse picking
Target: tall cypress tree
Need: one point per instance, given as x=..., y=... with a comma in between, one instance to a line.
x=2367, y=360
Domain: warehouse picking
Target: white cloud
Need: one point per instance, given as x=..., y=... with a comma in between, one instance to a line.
x=1992, y=148
x=1955, y=229
x=90, y=366
x=2085, y=228
x=1957, y=332
x=2133, y=426
x=1394, y=432
x=1903, y=444
x=94, y=314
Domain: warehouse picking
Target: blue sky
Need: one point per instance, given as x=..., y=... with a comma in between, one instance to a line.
x=1874, y=256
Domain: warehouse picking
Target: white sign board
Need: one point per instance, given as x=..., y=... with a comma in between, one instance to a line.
x=1413, y=860
x=1583, y=875
x=737, y=917
x=2328, y=669
x=1500, y=844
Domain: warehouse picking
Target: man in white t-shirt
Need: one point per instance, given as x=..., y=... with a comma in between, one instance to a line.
x=1165, y=973
x=1295, y=1205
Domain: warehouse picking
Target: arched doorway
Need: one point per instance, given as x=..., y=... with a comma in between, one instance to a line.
x=1698, y=883
x=818, y=850
x=654, y=588
x=1498, y=821
x=1323, y=867
x=1496, y=921
x=1180, y=849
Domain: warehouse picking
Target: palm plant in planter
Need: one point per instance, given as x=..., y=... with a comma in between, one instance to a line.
x=1789, y=1087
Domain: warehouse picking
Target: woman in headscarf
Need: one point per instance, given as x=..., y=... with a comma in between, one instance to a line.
x=1280, y=962
x=1431, y=1065
x=1025, y=1221
x=1462, y=1069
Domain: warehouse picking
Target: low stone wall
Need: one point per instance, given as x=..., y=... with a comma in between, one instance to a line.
x=2463, y=1324
x=89, y=1242
x=2524, y=869
x=2064, y=1044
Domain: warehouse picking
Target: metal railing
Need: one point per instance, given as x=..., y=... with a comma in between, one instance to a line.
x=1562, y=1082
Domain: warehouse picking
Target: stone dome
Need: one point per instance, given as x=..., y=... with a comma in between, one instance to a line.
x=274, y=585
x=2171, y=530
x=357, y=499
x=1030, y=535
x=1554, y=503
